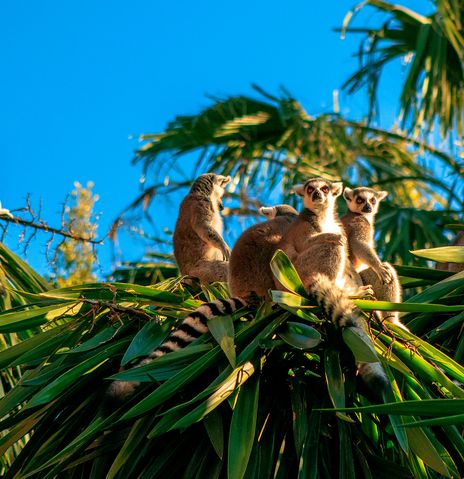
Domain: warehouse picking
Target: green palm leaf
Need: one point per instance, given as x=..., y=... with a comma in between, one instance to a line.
x=433, y=90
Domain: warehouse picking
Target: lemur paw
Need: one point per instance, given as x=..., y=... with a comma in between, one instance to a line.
x=226, y=253
x=385, y=274
x=366, y=290
x=362, y=291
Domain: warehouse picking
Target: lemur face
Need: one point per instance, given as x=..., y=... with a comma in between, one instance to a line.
x=364, y=201
x=318, y=193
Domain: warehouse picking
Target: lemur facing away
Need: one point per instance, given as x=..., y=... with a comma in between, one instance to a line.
x=363, y=205
x=199, y=248
x=250, y=275
x=250, y=278
x=316, y=245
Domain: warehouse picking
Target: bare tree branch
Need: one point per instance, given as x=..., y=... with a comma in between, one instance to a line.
x=41, y=225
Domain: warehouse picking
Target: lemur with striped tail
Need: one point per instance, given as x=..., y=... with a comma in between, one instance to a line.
x=316, y=243
x=199, y=248
x=363, y=204
x=250, y=279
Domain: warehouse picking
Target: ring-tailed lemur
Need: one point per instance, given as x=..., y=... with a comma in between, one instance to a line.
x=250, y=278
x=363, y=204
x=199, y=248
x=250, y=274
x=316, y=244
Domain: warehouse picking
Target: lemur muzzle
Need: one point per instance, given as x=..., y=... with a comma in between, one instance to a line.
x=317, y=195
x=367, y=209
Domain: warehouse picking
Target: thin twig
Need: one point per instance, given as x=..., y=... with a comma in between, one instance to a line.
x=49, y=229
x=116, y=307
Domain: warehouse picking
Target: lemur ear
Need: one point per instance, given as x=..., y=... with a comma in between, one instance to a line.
x=381, y=195
x=299, y=190
x=225, y=179
x=348, y=194
x=268, y=211
x=337, y=188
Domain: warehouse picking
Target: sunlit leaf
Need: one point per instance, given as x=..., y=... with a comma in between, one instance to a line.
x=445, y=254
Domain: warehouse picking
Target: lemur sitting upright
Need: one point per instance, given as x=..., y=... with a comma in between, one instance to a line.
x=363, y=205
x=316, y=245
x=316, y=242
x=199, y=248
x=250, y=278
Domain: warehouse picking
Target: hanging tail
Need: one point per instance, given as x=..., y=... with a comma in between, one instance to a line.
x=344, y=314
x=191, y=328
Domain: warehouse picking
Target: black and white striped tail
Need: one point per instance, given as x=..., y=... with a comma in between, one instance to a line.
x=344, y=314
x=191, y=328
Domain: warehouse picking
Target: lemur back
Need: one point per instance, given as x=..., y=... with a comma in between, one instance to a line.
x=199, y=248
x=250, y=274
x=363, y=204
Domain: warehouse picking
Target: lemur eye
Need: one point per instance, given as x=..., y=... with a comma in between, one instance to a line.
x=325, y=189
x=373, y=201
x=309, y=189
x=359, y=201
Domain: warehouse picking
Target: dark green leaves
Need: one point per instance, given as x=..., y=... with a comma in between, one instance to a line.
x=145, y=341
x=360, y=345
x=63, y=382
x=300, y=335
x=241, y=402
x=425, y=407
x=242, y=429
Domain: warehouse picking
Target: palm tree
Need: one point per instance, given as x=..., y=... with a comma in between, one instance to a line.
x=433, y=46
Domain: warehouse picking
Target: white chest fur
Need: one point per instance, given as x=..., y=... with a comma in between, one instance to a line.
x=328, y=224
x=216, y=222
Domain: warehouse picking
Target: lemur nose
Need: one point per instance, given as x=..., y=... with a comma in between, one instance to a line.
x=317, y=195
x=367, y=209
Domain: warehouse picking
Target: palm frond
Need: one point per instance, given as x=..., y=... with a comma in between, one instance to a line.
x=433, y=46
x=268, y=145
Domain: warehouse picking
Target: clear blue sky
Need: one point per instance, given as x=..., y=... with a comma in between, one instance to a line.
x=79, y=78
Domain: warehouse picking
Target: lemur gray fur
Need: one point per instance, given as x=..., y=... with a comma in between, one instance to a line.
x=317, y=246
x=363, y=204
x=250, y=274
x=199, y=248
x=250, y=278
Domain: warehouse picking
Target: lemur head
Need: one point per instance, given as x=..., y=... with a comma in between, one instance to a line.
x=364, y=201
x=211, y=185
x=319, y=194
x=270, y=212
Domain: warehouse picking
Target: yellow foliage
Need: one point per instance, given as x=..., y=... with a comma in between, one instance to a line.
x=76, y=259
